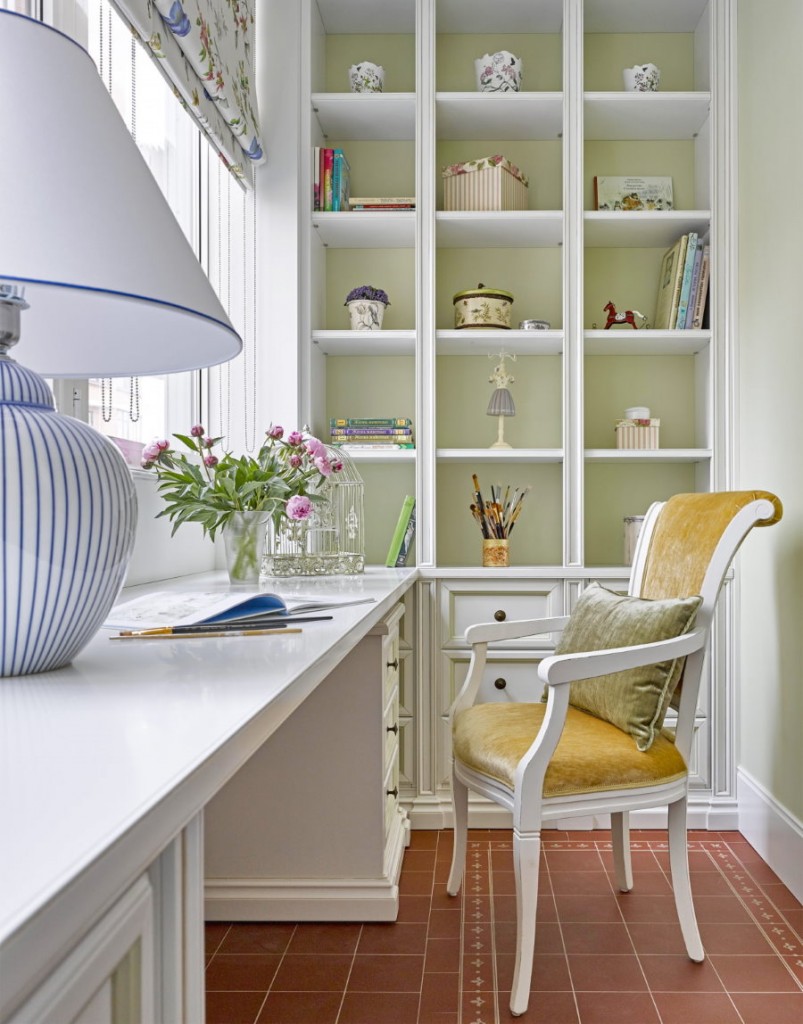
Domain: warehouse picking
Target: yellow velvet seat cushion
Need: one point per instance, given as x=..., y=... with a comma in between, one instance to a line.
x=591, y=755
x=634, y=699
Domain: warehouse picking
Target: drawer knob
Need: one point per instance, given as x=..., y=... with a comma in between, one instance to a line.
x=500, y=683
x=394, y=729
x=393, y=792
x=500, y=615
x=393, y=664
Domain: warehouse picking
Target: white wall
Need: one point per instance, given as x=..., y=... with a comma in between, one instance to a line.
x=771, y=407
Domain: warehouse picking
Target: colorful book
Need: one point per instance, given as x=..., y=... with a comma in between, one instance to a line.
x=397, y=540
x=702, y=289
x=316, y=177
x=374, y=439
x=391, y=431
x=632, y=193
x=407, y=540
x=368, y=421
x=685, y=285
x=328, y=161
x=341, y=172
x=669, y=282
x=382, y=201
x=373, y=446
x=695, y=282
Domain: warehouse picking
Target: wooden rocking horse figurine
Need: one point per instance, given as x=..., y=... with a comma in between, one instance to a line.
x=628, y=317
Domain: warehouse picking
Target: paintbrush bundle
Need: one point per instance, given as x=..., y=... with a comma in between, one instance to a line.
x=498, y=516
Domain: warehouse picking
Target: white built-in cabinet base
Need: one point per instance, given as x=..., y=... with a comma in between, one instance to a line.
x=310, y=828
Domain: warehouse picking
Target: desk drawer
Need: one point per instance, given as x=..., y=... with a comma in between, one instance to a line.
x=391, y=789
x=467, y=602
x=391, y=730
x=506, y=679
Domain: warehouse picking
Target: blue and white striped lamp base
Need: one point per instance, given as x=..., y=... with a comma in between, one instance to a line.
x=67, y=519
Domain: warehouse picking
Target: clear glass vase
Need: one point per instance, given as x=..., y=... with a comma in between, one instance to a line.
x=244, y=541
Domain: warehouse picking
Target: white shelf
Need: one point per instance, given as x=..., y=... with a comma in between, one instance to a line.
x=647, y=455
x=375, y=455
x=515, y=229
x=623, y=342
x=508, y=115
x=644, y=16
x=459, y=16
x=355, y=230
x=645, y=115
x=367, y=17
x=541, y=455
x=484, y=342
x=365, y=343
x=378, y=115
x=641, y=228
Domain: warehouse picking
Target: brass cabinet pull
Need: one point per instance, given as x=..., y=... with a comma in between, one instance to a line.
x=500, y=615
x=500, y=683
x=394, y=663
x=394, y=728
x=393, y=792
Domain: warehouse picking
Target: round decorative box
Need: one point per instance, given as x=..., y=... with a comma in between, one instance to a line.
x=534, y=325
x=483, y=307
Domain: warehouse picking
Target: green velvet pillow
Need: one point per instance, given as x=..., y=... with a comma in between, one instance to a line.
x=636, y=699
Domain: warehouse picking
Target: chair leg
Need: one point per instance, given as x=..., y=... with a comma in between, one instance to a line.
x=526, y=855
x=679, y=865
x=620, y=835
x=460, y=832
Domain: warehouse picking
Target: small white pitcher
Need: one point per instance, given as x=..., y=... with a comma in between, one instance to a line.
x=641, y=78
x=366, y=77
x=498, y=72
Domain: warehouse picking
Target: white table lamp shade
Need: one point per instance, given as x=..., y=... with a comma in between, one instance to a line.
x=111, y=287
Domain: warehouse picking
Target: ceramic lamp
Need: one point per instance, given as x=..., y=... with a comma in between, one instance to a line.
x=96, y=279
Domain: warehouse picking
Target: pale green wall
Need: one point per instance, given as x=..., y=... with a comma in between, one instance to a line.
x=771, y=376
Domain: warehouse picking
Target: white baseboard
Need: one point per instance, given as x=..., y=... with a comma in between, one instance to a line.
x=704, y=814
x=279, y=899
x=772, y=830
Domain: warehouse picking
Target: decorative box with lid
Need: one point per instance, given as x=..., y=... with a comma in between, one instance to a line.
x=331, y=542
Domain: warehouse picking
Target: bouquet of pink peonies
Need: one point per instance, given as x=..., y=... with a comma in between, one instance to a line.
x=281, y=480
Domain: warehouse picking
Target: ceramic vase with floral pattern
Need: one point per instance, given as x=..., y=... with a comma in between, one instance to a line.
x=366, y=314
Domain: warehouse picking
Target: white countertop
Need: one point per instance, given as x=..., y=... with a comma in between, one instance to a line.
x=107, y=759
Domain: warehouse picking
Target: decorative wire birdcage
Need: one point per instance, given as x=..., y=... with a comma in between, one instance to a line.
x=331, y=542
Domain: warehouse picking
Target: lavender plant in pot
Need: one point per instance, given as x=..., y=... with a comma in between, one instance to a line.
x=366, y=306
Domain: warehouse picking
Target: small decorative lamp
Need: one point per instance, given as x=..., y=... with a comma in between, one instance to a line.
x=98, y=279
x=501, y=403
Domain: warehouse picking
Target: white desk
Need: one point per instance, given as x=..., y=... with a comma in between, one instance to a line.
x=107, y=764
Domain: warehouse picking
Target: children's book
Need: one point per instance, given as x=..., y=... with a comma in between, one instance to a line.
x=685, y=284
x=669, y=282
x=193, y=607
x=397, y=547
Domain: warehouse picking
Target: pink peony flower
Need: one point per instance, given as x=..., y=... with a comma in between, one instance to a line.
x=209, y=442
x=315, y=447
x=299, y=507
x=162, y=445
x=210, y=460
x=276, y=432
x=197, y=431
x=323, y=465
x=151, y=451
x=295, y=438
x=295, y=461
x=337, y=466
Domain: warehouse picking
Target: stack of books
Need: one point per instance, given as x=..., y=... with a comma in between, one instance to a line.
x=683, y=284
x=330, y=179
x=372, y=434
x=380, y=203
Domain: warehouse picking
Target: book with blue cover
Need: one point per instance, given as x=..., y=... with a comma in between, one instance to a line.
x=679, y=318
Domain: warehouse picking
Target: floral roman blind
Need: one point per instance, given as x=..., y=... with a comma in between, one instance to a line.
x=206, y=50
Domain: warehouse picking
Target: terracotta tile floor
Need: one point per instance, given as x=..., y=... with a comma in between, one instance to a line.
x=602, y=957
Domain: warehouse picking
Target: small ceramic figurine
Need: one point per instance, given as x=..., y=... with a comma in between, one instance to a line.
x=618, y=319
x=366, y=77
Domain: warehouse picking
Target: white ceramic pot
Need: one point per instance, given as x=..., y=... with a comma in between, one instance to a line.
x=498, y=72
x=483, y=307
x=641, y=78
x=366, y=314
x=366, y=77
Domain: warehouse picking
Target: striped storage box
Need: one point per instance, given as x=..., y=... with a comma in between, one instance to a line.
x=490, y=183
x=641, y=434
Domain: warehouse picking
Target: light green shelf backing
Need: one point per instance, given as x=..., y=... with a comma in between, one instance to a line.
x=396, y=54
x=615, y=491
x=533, y=276
x=541, y=56
x=536, y=539
x=463, y=392
x=665, y=384
x=606, y=54
x=540, y=161
x=364, y=386
x=378, y=168
x=391, y=269
x=385, y=488
x=673, y=160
